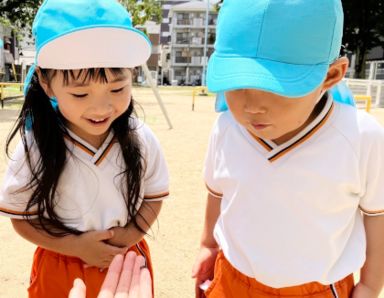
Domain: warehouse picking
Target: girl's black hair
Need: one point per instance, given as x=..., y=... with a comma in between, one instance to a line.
x=47, y=127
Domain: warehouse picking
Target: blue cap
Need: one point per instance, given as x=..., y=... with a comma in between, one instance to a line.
x=341, y=93
x=75, y=34
x=279, y=46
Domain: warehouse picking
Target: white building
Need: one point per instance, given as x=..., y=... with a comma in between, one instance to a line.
x=186, y=48
x=166, y=6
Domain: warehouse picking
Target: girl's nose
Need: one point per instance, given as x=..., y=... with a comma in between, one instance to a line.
x=102, y=107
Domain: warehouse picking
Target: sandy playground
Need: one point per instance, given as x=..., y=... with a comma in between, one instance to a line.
x=176, y=239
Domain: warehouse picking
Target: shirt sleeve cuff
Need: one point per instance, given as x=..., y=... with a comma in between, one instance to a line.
x=156, y=196
x=371, y=212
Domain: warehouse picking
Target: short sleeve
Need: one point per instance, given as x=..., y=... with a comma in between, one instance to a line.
x=156, y=177
x=210, y=165
x=15, y=193
x=372, y=200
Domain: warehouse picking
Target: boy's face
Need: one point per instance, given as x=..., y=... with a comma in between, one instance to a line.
x=269, y=116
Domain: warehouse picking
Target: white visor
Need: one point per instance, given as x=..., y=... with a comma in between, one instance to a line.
x=100, y=47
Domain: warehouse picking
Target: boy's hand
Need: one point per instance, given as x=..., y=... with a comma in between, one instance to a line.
x=92, y=248
x=363, y=291
x=203, y=268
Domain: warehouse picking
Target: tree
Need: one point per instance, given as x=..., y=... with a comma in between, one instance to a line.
x=218, y=5
x=363, y=29
x=20, y=13
x=143, y=10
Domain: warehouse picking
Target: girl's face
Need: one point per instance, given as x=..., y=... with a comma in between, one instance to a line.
x=269, y=116
x=91, y=105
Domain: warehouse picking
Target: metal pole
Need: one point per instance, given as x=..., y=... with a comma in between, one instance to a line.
x=157, y=94
x=203, y=83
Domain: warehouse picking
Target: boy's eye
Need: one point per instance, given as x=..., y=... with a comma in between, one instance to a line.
x=117, y=90
x=79, y=95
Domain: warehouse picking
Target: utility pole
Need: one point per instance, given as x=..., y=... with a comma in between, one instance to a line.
x=203, y=79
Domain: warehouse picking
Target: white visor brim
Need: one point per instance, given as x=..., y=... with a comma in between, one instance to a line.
x=104, y=47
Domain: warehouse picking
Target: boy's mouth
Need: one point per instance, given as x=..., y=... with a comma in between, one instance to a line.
x=260, y=126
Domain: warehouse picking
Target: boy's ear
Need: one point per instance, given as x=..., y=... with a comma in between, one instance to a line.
x=43, y=83
x=336, y=72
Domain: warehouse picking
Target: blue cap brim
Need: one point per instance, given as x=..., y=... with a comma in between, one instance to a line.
x=290, y=80
x=340, y=93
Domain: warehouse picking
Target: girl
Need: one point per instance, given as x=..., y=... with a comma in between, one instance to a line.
x=87, y=180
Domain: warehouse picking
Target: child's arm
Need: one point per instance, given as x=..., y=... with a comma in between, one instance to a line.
x=89, y=246
x=372, y=273
x=203, y=268
x=130, y=235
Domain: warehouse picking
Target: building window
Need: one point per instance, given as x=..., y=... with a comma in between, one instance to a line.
x=183, y=18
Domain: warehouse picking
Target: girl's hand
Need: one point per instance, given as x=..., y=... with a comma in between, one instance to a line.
x=119, y=237
x=92, y=248
x=363, y=291
x=204, y=268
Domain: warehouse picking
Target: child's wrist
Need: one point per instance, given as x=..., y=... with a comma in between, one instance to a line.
x=374, y=291
x=70, y=246
x=209, y=244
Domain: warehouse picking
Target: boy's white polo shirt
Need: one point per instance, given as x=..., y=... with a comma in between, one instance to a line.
x=290, y=214
x=89, y=193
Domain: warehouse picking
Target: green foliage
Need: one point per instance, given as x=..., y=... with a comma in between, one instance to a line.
x=218, y=5
x=142, y=11
x=363, y=29
x=18, y=14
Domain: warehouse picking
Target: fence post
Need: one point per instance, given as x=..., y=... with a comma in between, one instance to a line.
x=1, y=96
x=378, y=94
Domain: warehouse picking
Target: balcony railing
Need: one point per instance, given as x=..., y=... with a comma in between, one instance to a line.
x=184, y=22
x=195, y=22
x=182, y=60
x=198, y=41
x=194, y=60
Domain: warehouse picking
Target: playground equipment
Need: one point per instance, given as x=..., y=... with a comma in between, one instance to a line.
x=365, y=98
x=201, y=91
x=155, y=91
x=10, y=91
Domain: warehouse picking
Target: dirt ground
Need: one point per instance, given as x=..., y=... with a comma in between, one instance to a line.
x=176, y=239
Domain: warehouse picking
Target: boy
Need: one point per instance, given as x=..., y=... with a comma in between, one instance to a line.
x=295, y=179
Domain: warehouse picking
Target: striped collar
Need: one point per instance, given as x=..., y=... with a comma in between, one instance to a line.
x=274, y=151
x=86, y=150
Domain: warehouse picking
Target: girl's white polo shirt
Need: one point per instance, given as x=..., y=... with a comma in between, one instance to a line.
x=292, y=213
x=89, y=195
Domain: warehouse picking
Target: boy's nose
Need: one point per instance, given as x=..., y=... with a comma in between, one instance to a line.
x=254, y=106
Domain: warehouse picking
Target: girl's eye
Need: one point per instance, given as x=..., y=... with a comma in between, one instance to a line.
x=79, y=95
x=117, y=90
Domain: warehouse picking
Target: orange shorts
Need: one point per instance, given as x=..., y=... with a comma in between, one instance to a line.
x=53, y=274
x=230, y=283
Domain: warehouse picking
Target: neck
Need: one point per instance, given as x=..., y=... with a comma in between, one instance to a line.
x=315, y=112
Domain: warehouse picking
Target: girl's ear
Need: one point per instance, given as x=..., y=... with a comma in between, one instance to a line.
x=44, y=83
x=336, y=72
